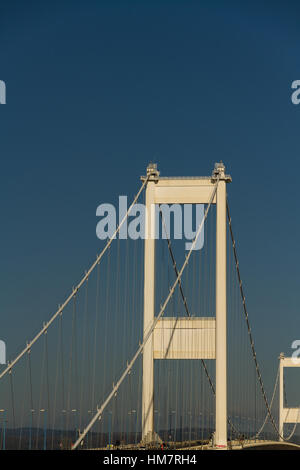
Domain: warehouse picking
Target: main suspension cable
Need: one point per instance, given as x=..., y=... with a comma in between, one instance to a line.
x=76, y=289
x=271, y=404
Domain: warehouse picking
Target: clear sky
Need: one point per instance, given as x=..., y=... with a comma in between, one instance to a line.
x=96, y=90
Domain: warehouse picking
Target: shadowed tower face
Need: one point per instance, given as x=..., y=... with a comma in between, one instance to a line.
x=174, y=333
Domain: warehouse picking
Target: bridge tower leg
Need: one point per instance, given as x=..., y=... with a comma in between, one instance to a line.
x=281, y=403
x=149, y=297
x=221, y=329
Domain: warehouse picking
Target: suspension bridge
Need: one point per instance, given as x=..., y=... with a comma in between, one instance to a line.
x=153, y=346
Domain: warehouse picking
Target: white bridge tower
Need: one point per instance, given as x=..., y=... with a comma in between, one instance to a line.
x=210, y=332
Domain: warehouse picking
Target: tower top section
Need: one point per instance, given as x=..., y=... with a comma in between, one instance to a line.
x=219, y=172
x=152, y=172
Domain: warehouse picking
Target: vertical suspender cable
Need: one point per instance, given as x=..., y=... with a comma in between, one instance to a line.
x=248, y=324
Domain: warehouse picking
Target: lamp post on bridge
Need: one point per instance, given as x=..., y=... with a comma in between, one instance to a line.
x=109, y=428
x=89, y=439
x=201, y=426
x=190, y=425
x=135, y=438
x=45, y=427
x=74, y=411
x=175, y=425
x=128, y=422
x=4, y=443
x=171, y=433
x=156, y=412
x=30, y=429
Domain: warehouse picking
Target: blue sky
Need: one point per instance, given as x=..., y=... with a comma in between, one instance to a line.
x=96, y=90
